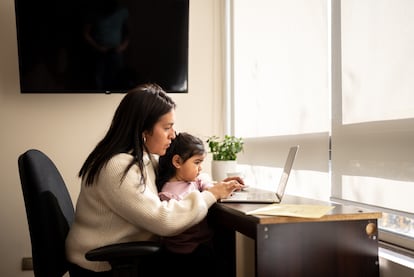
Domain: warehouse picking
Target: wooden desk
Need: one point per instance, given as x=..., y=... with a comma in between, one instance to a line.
x=341, y=243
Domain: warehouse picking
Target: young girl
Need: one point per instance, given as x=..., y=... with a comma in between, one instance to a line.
x=178, y=177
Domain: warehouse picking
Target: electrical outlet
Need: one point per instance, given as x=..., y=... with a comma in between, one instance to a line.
x=27, y=263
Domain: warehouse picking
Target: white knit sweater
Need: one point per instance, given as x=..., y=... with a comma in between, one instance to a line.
x=110, y=211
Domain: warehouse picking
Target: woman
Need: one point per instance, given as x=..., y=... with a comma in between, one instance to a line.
x=118, y=201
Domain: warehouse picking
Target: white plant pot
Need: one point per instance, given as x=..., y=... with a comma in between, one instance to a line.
x=219, y=169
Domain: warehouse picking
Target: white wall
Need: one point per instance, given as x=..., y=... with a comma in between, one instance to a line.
x=68, y=126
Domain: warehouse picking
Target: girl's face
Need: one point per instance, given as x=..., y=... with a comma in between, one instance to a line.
x=190, y=169
x=163, y=132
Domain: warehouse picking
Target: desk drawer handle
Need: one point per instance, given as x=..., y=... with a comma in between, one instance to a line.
x=371, y=230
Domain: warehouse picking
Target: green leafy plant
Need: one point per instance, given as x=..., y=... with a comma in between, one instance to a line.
x=225, y=149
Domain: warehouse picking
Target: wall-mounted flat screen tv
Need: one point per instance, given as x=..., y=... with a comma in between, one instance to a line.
x=102, y=46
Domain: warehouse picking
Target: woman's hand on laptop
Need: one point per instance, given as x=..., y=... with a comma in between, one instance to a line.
x=226, y=187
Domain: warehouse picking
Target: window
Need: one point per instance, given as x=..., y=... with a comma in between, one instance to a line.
x=336, y=78
x=281, y=90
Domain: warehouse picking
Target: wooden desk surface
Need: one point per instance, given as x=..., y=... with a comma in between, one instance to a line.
x=340, y=244
x=340, y=212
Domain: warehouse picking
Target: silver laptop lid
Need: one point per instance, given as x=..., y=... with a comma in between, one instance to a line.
x=286, y=171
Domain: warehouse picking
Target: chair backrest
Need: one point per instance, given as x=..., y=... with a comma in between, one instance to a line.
x=49, y=211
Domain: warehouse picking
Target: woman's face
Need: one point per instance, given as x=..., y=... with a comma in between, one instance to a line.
x=163, y=132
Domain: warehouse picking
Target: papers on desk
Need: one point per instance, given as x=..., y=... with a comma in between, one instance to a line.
x=296, y=210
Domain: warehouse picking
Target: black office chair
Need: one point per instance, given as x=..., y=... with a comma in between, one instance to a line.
x=50, y=213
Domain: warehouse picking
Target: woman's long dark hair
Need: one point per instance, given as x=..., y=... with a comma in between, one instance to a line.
x=139, y=111
x=185, y=146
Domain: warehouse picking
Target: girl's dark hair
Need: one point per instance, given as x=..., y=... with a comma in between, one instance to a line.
x=138, y=111
x=185, y=146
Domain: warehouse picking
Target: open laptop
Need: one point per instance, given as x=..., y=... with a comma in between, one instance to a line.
x=255, y=195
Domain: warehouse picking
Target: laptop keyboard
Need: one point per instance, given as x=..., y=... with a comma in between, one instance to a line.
x=253, y=195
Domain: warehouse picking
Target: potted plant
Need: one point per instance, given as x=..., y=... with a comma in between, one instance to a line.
x=224, y=153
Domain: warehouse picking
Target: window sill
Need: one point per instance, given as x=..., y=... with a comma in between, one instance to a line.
x=396, y=257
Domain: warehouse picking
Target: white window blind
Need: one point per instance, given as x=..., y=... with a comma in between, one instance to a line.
x=280, y=78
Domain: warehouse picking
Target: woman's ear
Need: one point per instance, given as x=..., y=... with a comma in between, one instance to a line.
x=144, y=136
x=176, y=161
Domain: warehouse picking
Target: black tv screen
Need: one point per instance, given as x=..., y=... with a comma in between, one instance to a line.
x=101, y=46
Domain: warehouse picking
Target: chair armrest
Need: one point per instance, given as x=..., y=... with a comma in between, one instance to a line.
x=121, y=251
